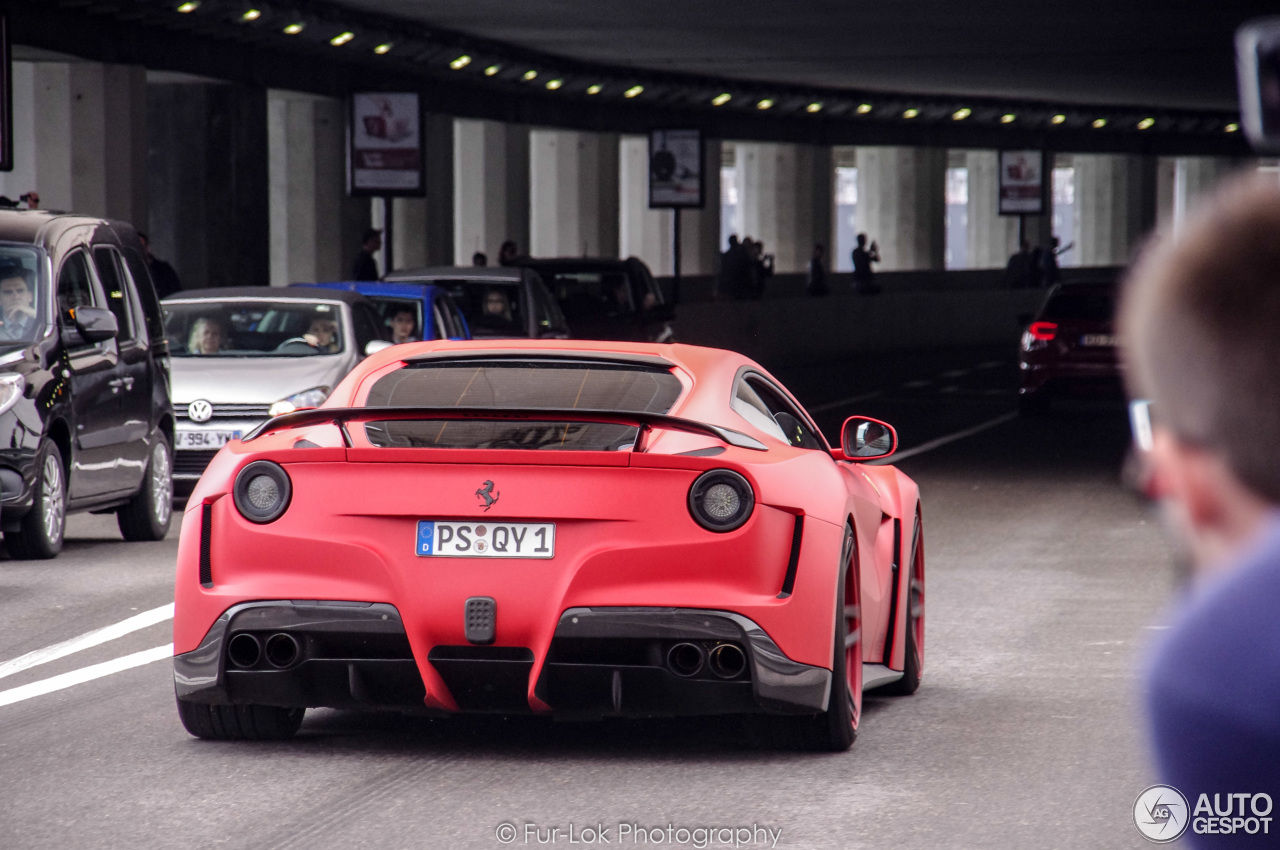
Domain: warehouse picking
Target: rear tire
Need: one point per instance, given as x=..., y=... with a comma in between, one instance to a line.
x=40, y=532
x=835, y=729
x=239, y=722
x=148, y=514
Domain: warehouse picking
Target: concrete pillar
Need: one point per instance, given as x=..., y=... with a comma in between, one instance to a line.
x=992, y=237
x=491, y=188
x=573, y=194
x=1116, y=204
x=24, y=176
x=210, y=182
x=902, y=205
x=787, y=198
x=646, y=233
x=1166, y=178
x=315, y=227
x=1193, y=176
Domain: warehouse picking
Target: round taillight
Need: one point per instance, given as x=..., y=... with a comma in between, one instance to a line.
x=721, y=500
x=263, y=491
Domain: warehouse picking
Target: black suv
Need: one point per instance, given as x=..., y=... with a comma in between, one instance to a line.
x=607, y=299
x=85, y=420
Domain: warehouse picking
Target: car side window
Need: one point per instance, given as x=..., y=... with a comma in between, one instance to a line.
x=146, y=310
x=749, y=405
x=457, y=322
x=790, y=421
x=367, y=324
x=442, y=327
x=75, y=284
x=111, y=274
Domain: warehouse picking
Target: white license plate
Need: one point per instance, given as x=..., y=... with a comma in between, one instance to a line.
x=205, y=439
x=1098, y=340
x=438, y=538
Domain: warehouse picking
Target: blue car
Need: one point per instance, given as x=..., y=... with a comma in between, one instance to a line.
x=434, y=313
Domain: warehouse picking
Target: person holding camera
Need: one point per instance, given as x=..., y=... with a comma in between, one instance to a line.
x=863, y=274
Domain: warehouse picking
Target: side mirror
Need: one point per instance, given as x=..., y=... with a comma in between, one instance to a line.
x=863, y=438
x=376, y=345
x=94, y=324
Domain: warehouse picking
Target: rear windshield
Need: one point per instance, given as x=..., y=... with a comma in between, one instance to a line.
x=1082, y=306
x=521, y=385
x=291, y=328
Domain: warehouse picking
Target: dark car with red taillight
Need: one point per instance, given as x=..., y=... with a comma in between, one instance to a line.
x=1070, y=347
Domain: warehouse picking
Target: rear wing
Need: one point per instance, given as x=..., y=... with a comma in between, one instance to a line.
x=340, y=416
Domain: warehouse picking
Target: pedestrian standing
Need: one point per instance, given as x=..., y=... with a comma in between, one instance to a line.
x=863, y=274
x=163, y=276
x=816, y=285
x=366, y=265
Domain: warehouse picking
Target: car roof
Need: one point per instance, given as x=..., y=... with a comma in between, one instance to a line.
x=29, y=226
x=275, y=293
x=405, y=288
x=476, y=273
x=574, y=263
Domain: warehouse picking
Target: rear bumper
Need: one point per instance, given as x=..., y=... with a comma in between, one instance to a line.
x=1066, y=377
x=601, y=662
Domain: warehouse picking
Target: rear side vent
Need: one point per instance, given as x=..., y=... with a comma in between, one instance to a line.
x=793, y=562
x=206, y=541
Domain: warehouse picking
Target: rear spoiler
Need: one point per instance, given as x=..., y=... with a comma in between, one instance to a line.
x=340, y=416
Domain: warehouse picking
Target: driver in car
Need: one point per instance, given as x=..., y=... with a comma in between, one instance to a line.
x=17, y=292
x=323, y=334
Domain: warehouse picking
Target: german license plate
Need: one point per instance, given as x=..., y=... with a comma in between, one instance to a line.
x=1098, y=340
x=204, y=439
x=442, y=539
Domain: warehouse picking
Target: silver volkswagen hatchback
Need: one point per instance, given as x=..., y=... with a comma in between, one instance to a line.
x=241, y=355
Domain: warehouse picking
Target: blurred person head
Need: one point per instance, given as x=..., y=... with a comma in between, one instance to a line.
x=323, y=334
x=372, y=240
x=403, y=324
x=479, y=258
x=496, y=304
x=818, y=250
x=206, y=336
x=1199, y=315
x=862, y=240
x=507, y=253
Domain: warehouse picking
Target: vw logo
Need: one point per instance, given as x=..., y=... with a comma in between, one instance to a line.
x=200, y=410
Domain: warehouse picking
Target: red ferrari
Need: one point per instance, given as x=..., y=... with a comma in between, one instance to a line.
x=578, y=529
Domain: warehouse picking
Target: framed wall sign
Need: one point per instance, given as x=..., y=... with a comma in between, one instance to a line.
x=1023, y=183
x=385, y=145
x=675, y=169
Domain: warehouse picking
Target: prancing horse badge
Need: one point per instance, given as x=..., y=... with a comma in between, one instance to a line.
x=486, y=493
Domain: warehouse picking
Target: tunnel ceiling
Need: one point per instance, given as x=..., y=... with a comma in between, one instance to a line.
x=1138, y=52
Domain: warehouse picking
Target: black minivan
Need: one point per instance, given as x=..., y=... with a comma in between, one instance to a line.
x=85, y=419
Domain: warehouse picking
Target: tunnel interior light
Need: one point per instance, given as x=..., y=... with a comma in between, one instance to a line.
x=1058, y=119
x=461, y=62
x=383, y=49
x=961, y=114
x=189, y=6
x=491, y=70
x=339, y=40
x=595, y=88
x=766, y=103
x=721, y=99
x=864, y=108
x=294, y=29
x=530, y=75
x=554, y=84
x=1146, y=123
x=1099, y=123
x=911, y=113
x=1008, y=118
x=633, y=91
x=1232, y=128
x=251, y=15
x=816, y=106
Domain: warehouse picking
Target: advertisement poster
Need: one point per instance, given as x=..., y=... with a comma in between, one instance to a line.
x=675, y=169
x=1022, y=183
x=386, y=145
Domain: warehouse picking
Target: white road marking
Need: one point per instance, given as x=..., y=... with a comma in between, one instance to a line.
x=838, y=403
x=954, y=373
x=950, y=438
x=85, y=674
x=990, y=364
x=915, y=385
x=87, y=640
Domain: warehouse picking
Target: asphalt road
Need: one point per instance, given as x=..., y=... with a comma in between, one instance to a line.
x=1046, y=581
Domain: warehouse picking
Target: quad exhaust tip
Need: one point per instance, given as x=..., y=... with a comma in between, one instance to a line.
x=686, y=659
x=282, y=650
x=244, y=650
x=727, y=661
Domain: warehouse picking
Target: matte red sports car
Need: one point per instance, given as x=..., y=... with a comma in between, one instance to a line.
x=581, y=529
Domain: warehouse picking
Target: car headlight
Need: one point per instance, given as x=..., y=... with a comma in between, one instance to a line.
x=262, y=491
x=721, y=500
x=11, y=388
x=313, y=397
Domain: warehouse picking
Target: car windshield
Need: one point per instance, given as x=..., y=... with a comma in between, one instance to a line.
x=492, y=308
x=523, y=385
x=1096, y=306
x=22, y=295
x=591, y=294
x=253, y=328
